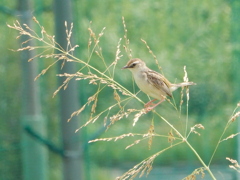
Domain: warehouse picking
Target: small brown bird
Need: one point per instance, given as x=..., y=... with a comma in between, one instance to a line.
x=152, y=83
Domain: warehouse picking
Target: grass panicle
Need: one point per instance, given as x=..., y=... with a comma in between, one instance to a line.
x=195, y=173
x=235, y=165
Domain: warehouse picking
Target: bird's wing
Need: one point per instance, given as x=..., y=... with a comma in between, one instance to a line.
x=159, y=81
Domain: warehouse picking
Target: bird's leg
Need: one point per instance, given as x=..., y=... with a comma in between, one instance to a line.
x=152, y=107
x=149, y=103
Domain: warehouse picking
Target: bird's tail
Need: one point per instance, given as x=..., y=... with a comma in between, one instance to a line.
x=183, y=84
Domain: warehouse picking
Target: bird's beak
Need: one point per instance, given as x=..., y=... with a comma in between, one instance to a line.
x=125, y=67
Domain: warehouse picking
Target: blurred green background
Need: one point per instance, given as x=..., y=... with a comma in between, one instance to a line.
x=203, y=35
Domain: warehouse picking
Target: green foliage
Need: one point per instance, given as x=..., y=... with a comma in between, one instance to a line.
x=192, y=33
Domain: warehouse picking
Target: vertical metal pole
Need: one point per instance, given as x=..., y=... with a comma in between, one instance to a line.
x=34, y=154
x=68, y=98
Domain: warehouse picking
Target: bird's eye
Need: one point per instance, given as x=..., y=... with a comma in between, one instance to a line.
x=133, y=65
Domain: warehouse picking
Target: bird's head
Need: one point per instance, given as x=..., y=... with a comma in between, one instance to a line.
x=135, y=65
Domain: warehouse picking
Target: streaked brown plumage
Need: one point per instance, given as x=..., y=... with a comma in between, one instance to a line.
x=151, y=82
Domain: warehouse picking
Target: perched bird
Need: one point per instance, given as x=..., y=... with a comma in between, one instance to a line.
x=152, y=83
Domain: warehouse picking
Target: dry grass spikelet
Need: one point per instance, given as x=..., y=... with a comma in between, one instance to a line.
x=234, y=117
x=117, y=117
x=127, y=42
x=171, y=137
x=235, y=165
x=193, y=129
x=154, y=56
x=76, y=113
x=141, y=168
x=230, y=137
x=116, y=96
x=138, y=115
x=198, y=171
x=144, y=167
x=112, y=138
x=185, y=79
x=134, y=143
x=93, y=109
x=150, y=135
